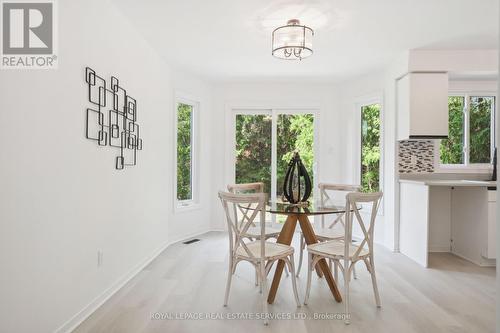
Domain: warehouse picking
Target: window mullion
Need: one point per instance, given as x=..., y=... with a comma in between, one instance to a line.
x=191, y=151
x=466, y=129
x=492, y=128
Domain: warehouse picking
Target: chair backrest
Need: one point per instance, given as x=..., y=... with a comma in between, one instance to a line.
x=237, y=229
x=327, y=197
x=353, y=201
x=244, y=189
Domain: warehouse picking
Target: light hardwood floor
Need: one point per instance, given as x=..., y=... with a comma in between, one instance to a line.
x=451, y=296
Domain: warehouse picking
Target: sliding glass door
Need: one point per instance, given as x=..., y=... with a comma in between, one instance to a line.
x=264, y=141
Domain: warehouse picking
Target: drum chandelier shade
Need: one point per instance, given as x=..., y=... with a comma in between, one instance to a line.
x=292, y=41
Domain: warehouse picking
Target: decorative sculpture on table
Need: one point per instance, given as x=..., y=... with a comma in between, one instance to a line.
x=297, y=185
x=113, y=119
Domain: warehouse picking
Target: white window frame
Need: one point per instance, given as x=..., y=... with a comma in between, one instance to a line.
x=193, y=203
x=360, y=102
x=468, y=167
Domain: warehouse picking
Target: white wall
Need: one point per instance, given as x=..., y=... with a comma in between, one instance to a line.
x=61, y=199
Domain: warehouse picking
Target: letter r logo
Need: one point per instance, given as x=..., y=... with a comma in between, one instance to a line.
x=27, y=28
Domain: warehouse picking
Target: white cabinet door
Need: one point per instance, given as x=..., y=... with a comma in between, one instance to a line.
x=469, y=218
x=492, y=225
x=422, y=101
x=414, y=222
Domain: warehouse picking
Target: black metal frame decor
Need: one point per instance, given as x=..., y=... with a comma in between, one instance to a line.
x=113, y=123
x=297, y=185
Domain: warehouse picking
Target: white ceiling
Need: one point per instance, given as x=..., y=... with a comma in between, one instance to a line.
x=224, y=40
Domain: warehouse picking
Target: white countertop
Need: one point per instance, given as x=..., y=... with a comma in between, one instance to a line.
x=450, y=182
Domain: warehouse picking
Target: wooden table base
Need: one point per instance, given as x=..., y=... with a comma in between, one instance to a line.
x=285, y=237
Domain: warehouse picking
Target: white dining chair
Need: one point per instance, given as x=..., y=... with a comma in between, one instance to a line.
x=253, y=232
x=343, y=252
x=258, y=252
x=335, y=230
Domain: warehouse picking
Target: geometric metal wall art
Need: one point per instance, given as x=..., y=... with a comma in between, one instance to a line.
x=112, y=121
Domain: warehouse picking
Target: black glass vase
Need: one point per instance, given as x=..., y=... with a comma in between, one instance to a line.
x=297, y=185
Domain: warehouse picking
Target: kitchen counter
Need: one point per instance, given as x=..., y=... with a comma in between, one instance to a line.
x=451, y=182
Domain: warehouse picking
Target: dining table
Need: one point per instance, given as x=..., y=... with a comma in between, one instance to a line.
x=301, y=214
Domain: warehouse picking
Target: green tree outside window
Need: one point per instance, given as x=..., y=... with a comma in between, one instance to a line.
x=370, y=148
x=184, y=151
x=480, y=129
x=476, y=112
x=452, y=149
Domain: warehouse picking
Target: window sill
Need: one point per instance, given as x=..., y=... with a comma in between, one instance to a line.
x=186, y=207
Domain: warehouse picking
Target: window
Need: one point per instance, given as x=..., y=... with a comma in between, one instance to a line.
x=471, y=130
x=370, y=147
x=185, y=190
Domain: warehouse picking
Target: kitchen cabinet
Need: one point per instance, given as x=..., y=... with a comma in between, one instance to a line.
x=422, y=106
x=490, y=249
x=456, y=216
x=469, y=220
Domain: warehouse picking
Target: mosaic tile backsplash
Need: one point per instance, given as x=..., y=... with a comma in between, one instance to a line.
x=423, y=152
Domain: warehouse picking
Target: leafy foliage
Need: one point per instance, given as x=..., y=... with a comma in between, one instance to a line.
x=451, y=149
x=184, y=149
x=480, y=129
x=370, y=148
x=253, y=149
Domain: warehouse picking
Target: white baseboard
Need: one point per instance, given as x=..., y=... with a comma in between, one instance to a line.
x=78, y=318
x=218, y=230
x=484, y=262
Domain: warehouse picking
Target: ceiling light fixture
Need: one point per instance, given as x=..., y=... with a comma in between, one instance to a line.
x=292, y=41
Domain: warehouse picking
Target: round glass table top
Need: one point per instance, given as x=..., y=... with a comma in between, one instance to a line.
x=285, y=208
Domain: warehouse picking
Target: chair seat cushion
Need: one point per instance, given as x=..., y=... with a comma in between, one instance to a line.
x=334, y=248
x=329, y=233
x=254, y=232
x=271, y=250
